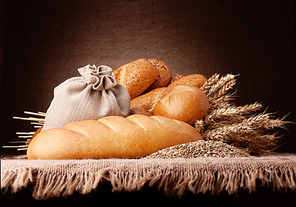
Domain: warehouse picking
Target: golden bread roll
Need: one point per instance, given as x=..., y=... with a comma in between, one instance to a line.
x=164, y=75
x=148, y=100
x=184, y=103
x=111, y=137
x=136, y=76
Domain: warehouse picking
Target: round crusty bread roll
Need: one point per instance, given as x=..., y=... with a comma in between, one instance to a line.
x=164, y=75
x=148, y=100
x=136, y=76
x=111, y=137
x=184, y=103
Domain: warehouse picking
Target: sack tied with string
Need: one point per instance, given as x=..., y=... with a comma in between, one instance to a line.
x=93, y=95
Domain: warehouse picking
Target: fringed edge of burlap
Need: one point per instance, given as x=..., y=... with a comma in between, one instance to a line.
x=48, y=184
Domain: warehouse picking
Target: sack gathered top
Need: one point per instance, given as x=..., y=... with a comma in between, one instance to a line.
x=92, y=95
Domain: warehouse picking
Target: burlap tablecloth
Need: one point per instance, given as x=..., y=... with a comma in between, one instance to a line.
x=61, y=178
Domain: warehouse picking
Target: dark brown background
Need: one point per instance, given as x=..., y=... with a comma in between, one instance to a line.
x=44, y=42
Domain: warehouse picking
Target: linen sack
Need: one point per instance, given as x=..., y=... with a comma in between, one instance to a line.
x=93, y=95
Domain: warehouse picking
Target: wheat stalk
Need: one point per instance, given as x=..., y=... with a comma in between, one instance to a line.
x=257, y=144
x=228, y=132
x=220, y=84
x=210, y=82
x=264, y=121
x=247, y=134
x=231, y=113
x=224, y=89
x=236, y=125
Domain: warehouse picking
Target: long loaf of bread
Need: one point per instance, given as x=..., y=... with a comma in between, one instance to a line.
x=111, y=137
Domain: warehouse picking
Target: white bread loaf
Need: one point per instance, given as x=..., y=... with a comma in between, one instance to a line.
x=111, y=137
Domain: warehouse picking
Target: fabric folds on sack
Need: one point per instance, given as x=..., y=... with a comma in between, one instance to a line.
x=93, y=95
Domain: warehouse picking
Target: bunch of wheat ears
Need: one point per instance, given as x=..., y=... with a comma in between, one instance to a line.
x=241, y=126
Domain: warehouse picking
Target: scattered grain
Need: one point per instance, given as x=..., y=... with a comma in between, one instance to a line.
x=202, y=148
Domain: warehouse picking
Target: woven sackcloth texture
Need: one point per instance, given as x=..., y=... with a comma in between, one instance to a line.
x=61, y=178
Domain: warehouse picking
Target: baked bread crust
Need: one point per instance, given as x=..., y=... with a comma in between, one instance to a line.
x=148, y=100
x=184, y=103
x=136, y=76
x=196, y=80
x=111, y=137
x=164, y=75
x=140, y=111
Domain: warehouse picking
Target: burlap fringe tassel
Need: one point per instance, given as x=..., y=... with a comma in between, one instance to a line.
x=170, y=182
